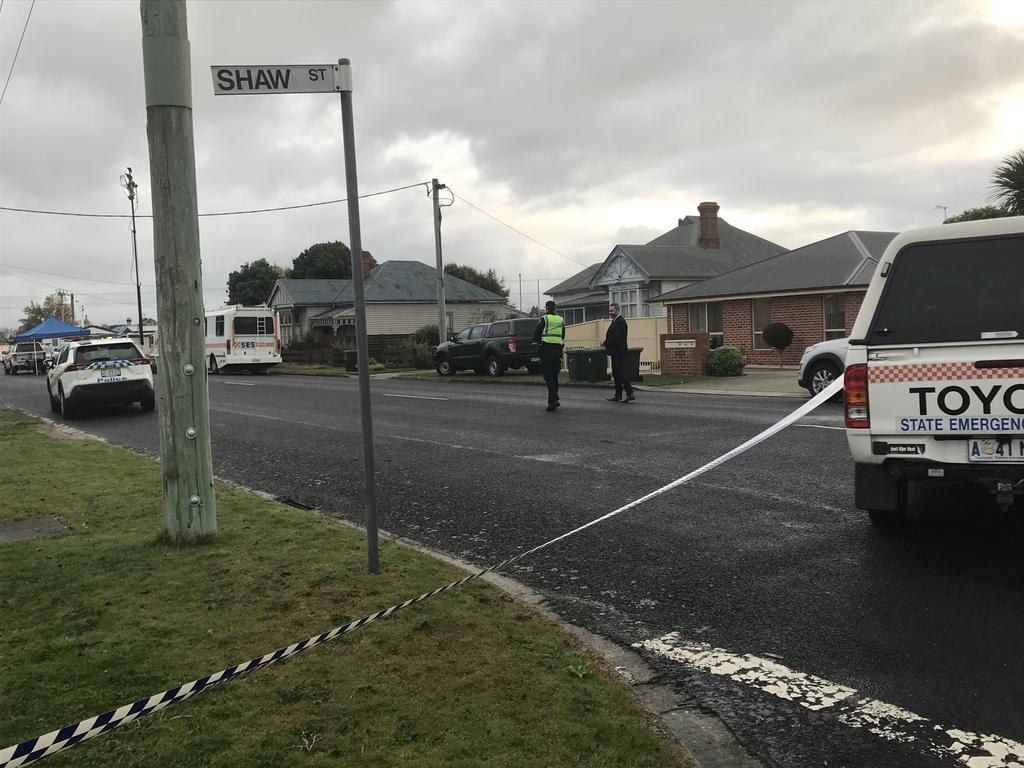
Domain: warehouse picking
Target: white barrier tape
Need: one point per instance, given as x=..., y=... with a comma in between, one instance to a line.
x=56, y=741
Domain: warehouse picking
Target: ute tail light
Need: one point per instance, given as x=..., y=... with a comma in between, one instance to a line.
x=855, y=397
x=228, y=350
x=512, y=345
x=277, y=345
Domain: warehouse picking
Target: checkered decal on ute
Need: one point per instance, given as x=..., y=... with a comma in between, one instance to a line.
x=109, y=364
x=959, y=371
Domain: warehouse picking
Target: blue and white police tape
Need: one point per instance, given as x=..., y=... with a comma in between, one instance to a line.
x=56, y=741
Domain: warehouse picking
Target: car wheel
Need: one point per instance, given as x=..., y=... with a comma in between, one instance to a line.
x=67, y=410
x=54, y=402
x=821, y=376
x=148, y=403
x=494, y=366
x=444, y=367
x=214, y=369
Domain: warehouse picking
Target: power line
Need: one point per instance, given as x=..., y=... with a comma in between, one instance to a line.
x=217, y=213
x=17, y=51
x=517, y=231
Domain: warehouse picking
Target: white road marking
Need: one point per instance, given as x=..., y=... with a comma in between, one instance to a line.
x=238, y=383
x=819, y=426
x=415, y=397
x=886, y=721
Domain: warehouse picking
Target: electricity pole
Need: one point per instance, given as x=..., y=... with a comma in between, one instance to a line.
x=186, y=462
x=129, y=186
x=442, y=325
x=520, y=291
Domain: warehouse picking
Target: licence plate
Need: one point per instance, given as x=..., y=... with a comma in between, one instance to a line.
x=534, y=359
x=990, y=449
x=110, y=373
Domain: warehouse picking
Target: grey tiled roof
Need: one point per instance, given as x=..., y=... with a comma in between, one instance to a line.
x=844, y=260
x=597, y=297
x=392, y=281
x=678, y=254
x=306, y=292
x=578, y=282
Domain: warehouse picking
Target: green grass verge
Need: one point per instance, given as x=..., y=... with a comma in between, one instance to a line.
x=522, y=377
x=107, y=614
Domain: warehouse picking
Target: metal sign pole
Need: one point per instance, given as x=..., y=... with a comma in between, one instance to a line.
x=352, y=189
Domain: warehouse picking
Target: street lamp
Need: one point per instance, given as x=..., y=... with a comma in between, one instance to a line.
x=944, y=217
x=129, y=186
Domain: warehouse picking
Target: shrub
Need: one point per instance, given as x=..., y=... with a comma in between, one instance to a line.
x=726, y=361
x=778, y=336
x=426, y=334
x=413, y=354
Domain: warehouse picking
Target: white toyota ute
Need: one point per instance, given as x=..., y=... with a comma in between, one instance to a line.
x=934, y=383
x=104, y=371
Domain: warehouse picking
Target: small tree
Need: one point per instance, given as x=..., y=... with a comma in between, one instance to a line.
x=488, y=280
x=778, y=336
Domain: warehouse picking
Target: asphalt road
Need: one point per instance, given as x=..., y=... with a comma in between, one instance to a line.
x=758, y=591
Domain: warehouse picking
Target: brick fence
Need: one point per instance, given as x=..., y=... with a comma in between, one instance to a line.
x=684, y=360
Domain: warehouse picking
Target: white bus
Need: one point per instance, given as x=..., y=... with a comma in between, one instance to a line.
x=242, y=339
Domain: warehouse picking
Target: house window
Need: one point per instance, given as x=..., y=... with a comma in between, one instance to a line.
x=574, y=315
x=762, y=315
x=706, y=317
x=835, y=316
x=628, y=300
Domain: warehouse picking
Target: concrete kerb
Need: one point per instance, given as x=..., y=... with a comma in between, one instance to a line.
x=697, y=733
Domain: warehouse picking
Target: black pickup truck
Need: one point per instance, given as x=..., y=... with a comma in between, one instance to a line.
x=490, y=348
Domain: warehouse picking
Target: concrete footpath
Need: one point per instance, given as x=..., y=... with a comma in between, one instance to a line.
x=755, y=381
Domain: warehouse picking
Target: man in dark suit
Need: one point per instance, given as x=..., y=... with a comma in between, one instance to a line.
x=615, y=344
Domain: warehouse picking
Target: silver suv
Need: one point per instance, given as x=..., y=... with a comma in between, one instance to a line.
x=101, y=372
x=822, y=364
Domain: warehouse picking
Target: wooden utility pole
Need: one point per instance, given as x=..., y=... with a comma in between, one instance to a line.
x=186, y=463
x=442, y=325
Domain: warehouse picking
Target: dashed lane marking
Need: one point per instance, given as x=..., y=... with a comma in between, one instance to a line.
x=886, y=721
x=238, y=383
x=415, y=397
x=819, y=426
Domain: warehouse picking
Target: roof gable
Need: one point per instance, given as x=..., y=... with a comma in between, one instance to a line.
x=845, y=260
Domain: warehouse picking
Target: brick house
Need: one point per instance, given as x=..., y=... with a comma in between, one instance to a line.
x=697, y=248
x=816, y=290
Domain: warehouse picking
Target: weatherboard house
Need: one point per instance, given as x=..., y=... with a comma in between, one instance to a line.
x=698, y=248
x=401, y=296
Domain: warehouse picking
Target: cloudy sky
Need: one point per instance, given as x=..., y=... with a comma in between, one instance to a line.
x=581, y=124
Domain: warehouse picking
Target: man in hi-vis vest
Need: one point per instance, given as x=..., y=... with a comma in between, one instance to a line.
x=550, y=334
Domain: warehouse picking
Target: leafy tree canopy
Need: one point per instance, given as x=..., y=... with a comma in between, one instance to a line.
x=1008, y=184
x=252, y=283
x=976, y=214
x=325, y=260
x=52, y=306
x=488, y=280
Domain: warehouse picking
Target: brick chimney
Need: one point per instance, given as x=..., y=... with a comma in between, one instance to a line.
x=366, y=264
x=709, y=226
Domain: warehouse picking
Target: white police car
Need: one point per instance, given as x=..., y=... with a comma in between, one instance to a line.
x=934, y=383
x=101, y=372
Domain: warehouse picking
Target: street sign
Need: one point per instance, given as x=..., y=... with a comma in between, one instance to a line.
x=275, y=78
